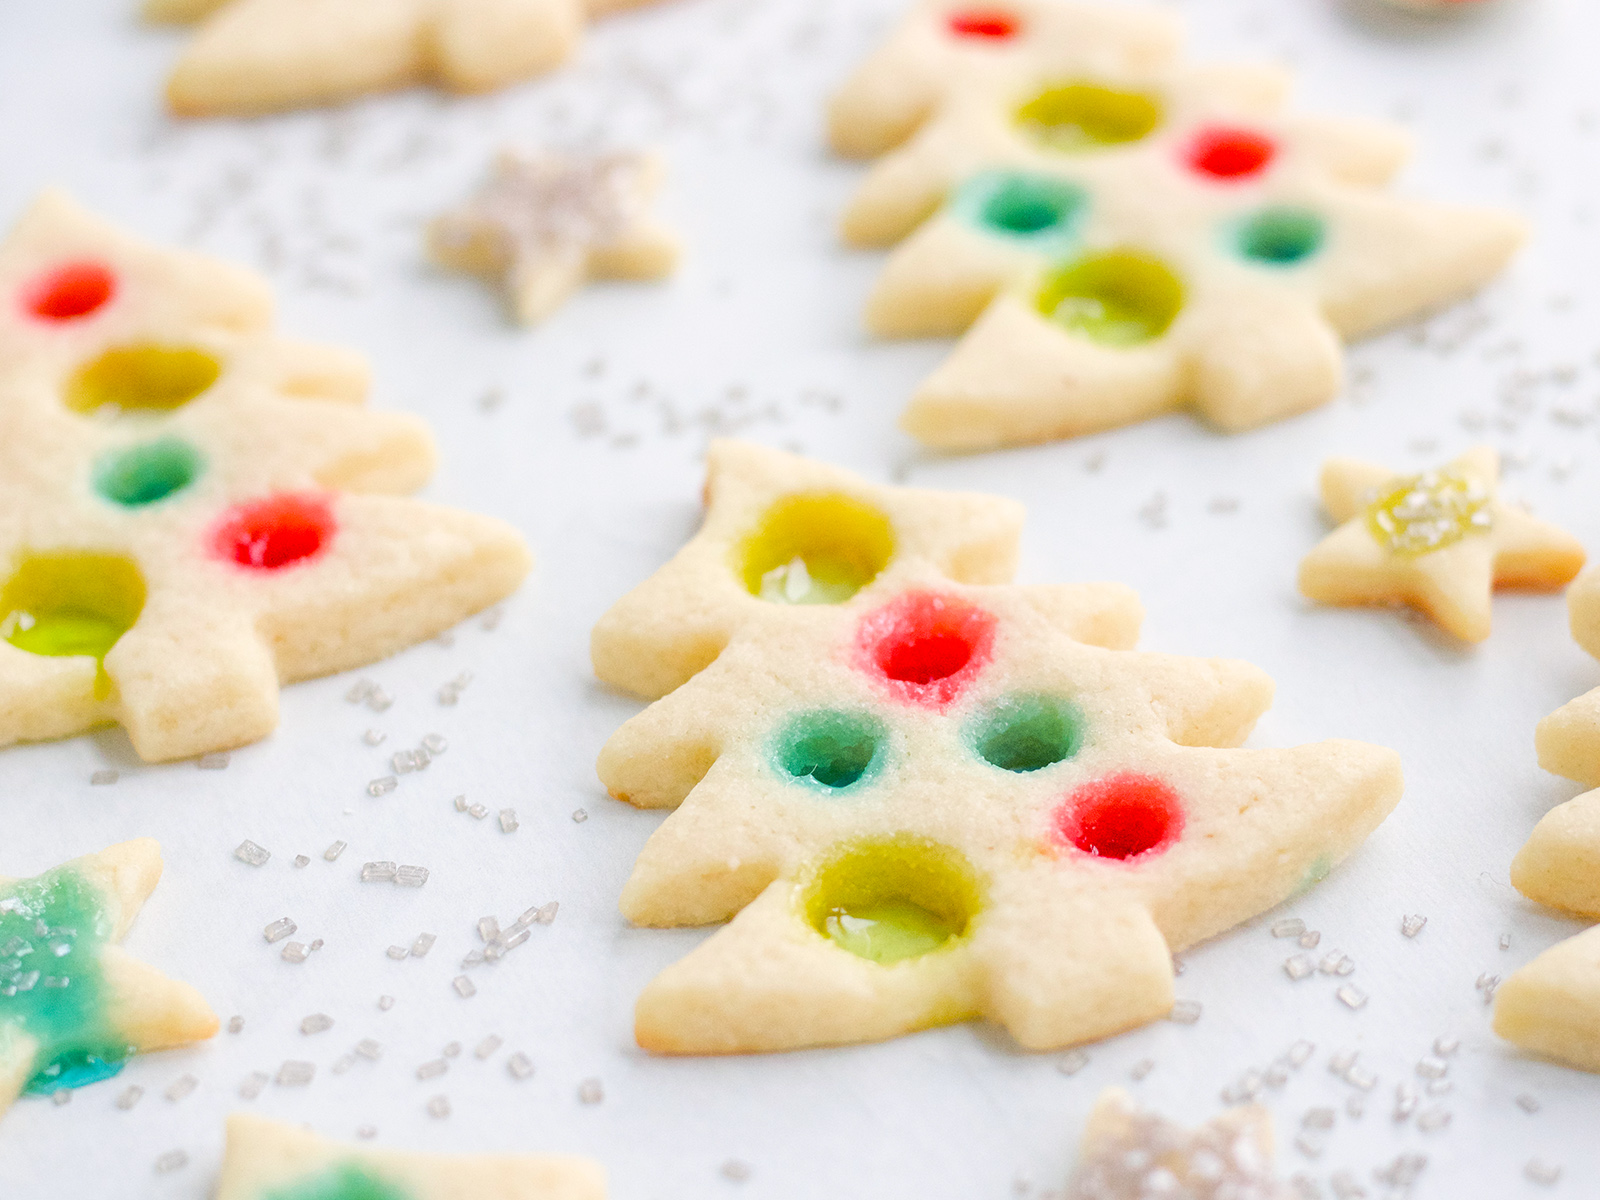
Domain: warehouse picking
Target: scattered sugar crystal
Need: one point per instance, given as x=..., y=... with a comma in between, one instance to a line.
x=359, y=691
x=103, y=778
x=409, y=876
x=294, y=952
x=301, y=860
x=379, y=700
x=1289, y=927
x=1341, y=1062
x=1309, y=940
x=1185, y=1012
x=1528, y=1103
x=473, y=958
x=343, y=1063
x=519, y=1065
x=378, y=872
x=461, y=803
x=487, y=1047
x=1359, y=1077
x=508, y=820
x=1345, y=1187
x=432, y=1069
x=295, y=1074
x=491, y=619
x=1300, y=1053
x=181, y=1087
x=316, y=944
x=235, y=1024
x=1505, y=941
x=1412, y=925
x=279, y=929
x=1336, y=962
x=332, y=852
x=254, y=1082
x=382, y=786
x=1298, y=967
x=422, y=944
x=1318, y=1118
x=1445, y=1046
x=172, y=1160
x=130, y=1096
x=515, y=940
x=1072, y=1062
x=464, y=987
x=213, y=762
x=1405, y=1101
x=1434, y=1118
x=590, y=1091
x=316, y=1023
x=385, y=1003
x=1275, y=1075
x=1403, y=1171
x=580, y=816
x=367, y=1132
x=451, y=1050
x=370, y=1050
x=1142, y=1068
x=249, y=852
x=439, y=1108
x=1440, y=1087
x=488, y=928
x=401, y=762
x=374, y=737
x=1354, y=1105
x=1542, y=1173
x=547, y=912
x=1351, y=997
x=478, y=811
x=1488, y=984
x=1308, y=1144
x=1430, y=1067
x=397, y=952
x=1177, y=965
x=435, y=744
x=735, y=1171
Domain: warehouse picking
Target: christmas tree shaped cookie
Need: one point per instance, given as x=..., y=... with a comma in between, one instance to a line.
x=74, y=1005
x=942, y=45
x=192, y=509
x=1441, y=541
x=256, y=56
x=1126, y=243
x=265, y=1160
x=935, y=801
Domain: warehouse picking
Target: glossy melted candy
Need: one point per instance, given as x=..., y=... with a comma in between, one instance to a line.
x=1225, y=153
x=1028, y=733
x=1117, y=298
x=276, y=532
x=830, y=748
x=69, y=292
x=1281, y=237
x=68, y=604
x=1429, y=512
x=1122, y=816
x=145, y=377
x=140, y=475
x=927, y=647
x=988, y=24
x=1088, y=116
x=817, y=548
x=891, y=899
x=1018, y=204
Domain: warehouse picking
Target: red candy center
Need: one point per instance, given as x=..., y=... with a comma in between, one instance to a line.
x=70, y=291
x=1121, y=817
x=927, y=646
x=1230, y=153
x=993, y=23
x=275, y=532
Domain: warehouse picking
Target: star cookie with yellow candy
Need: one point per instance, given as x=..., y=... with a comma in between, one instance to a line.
x=1121, y=244
x=194, y=510
x=267, y=1160
x=73, y=1004
x=1568, y=739
x=936, y=801
x=941, y=45
x=259, y=56
x=1441, y=541
x=545, y=224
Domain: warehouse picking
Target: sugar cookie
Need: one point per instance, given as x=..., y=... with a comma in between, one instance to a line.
x=257, y=56
x=941, y=45
x=73, y=1004
x=935, y=801
x=1129, y=1154
x=1124, y=244
x=1441, y=542
x=547, y=223
x=181, y=527
x=1568, y=739
x=267, y=1160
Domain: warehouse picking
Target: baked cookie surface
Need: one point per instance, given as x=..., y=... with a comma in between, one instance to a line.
x=194, y=510
x=267, y=1160
x=73, y=1005
x=1441, y=542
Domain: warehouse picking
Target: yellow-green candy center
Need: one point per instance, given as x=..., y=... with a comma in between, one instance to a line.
x=1429, y=512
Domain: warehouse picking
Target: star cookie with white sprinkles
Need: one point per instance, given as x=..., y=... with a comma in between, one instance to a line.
x=547, y=223
x=74, y=1005
x=1441, y=541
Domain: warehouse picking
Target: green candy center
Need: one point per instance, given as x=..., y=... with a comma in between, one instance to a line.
x=1028, y=733
x=142, y=475
x=346, y=1181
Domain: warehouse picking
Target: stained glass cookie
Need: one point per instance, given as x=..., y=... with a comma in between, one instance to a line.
x=547, y=223
x=267, y=1160
x=73, y=1004
x=1441, y=541
x=257, y=56
x=1113, y=245
x=193, y=509
x=937, y=801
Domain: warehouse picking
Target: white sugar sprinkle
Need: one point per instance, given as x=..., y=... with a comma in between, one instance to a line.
x=435, y=744
x=103, y=778
x=295, y=1074
x=172, y=1160
x=1300, y=1053
x=1528, y=1103
x=249, y=852
x=130, y=1096
x=1142, y=1068
x=487, y=1047
x=439, y=1108
x=343, y=1063
x=382, y=786
x=181, y=1087
x=235, y=1024
x=478, y=811
x=301, y=860
x=61, y=1096
x=294, y=952
x=409, y=876
x=488, y=928
x=1444, y=1046
x=374, y=737
x=460, y=803
x=378, y=872
x=397, y=952
x=508, y=820
x=464, y=987
x=1309, y=940
x=735, y=1170
x=251, y=1087
x=1351, y=997
x=385, y=1003
x=213, y=762
x=1430, y=1067
x=1072, y=1062
x=422, y=944
x=1542, y=1173
x=519, y=1065
x=1412, y=925
x=1185, y=1012
x=1298, y=967
x=279, y=929
x=1405, y=1101
x=1289, y=927
x=452, y=1050
x=591, y=1091
x=1434, y=1118
x=580, y=816
x=332, y=852
x=370, y=1050
x=432, y=1069
x=1505, y=941
x=367, y=1132
x=316, y=1023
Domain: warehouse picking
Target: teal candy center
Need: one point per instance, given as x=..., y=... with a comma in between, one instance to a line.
x=830, y=748
x=1016, y=204
x=144, y=474
x=347, y=1181
x=1281, y=236
x=51, y=985
x=1028, y=733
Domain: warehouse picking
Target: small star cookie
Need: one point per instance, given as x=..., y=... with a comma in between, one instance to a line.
x=259, y=56
x=936, y=802
x=1129, y=1154
x=941, y=45
x=193, y=510
x=267, y=1160
x=1569, y=738
x=73, y=1004
x=1121, y=244
x=547, y=223
x=1441, y=542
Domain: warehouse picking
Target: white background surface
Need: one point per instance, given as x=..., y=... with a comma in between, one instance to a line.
x=602, y=472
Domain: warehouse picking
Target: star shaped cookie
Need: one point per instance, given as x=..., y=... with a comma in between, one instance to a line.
x=1121, y=244
x=74, y=1005
x=259, y=56
x=1127, y=1153
x=547, y=223
x=267, y=1160
x=194, y=510
x=941, y=45
x=1441, y=542
x=1569, y=738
